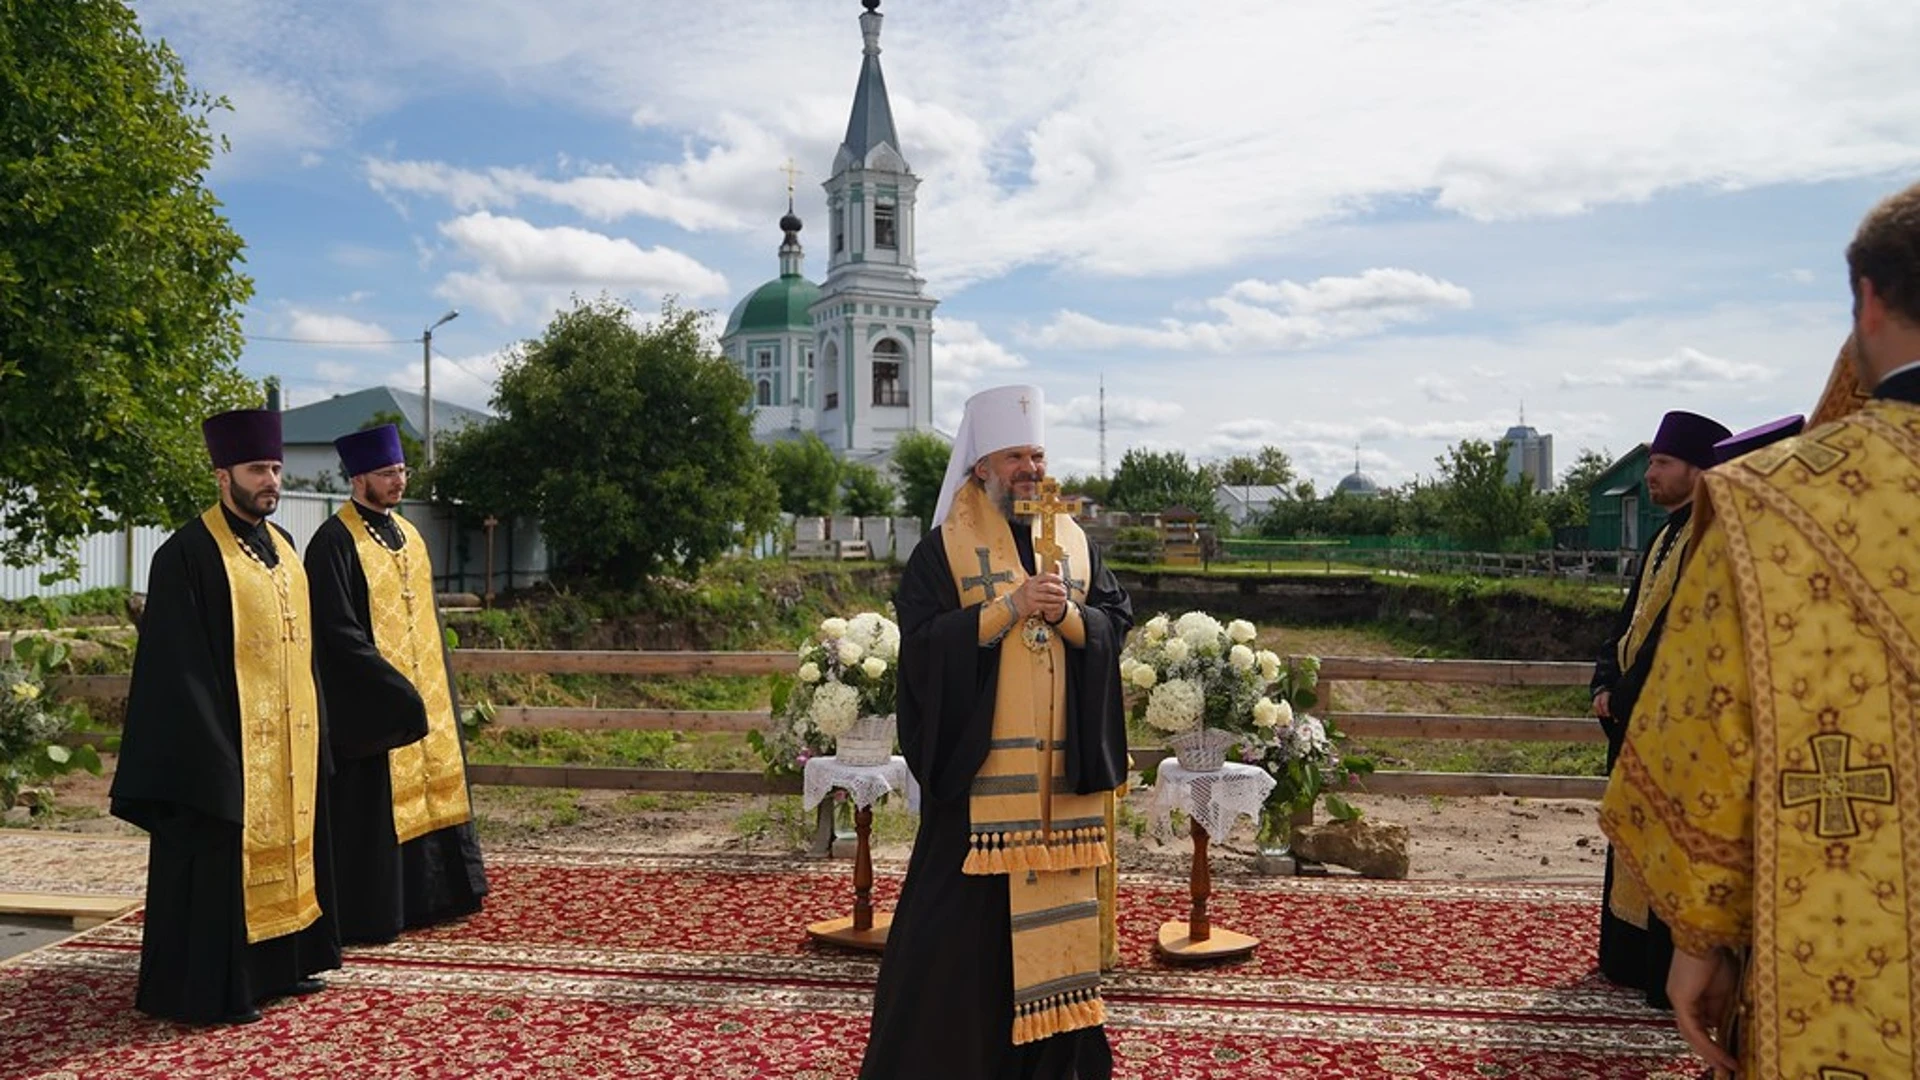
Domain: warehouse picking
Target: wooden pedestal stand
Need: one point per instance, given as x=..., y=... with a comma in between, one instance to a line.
x=1196, y=939
x=863, y=929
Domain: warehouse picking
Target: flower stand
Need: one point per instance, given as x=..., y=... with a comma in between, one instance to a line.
x=864, y=785
x=1212, y=801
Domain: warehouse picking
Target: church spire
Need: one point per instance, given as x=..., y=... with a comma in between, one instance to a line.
x=871, y=123
x=791, y=255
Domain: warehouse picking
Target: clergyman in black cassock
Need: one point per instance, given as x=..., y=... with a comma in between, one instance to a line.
x=239, y=874
x=1635, y=946
x=945, y=1001
x=381, y=714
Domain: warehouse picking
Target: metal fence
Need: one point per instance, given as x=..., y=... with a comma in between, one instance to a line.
x=458, y=541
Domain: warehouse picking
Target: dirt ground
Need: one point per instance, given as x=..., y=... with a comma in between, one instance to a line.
x=1453, y=839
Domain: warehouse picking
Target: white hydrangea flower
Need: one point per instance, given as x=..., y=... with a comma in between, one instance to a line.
x=1266, y=713
x=834, y=628
x=1144, y=676
x=1241, y=658
x=1199, y=630
x=835, y=707
x=1175, y=705
x=874, y=667
x=1176, y=650
x=865, y=629
x=850, y=652
x=888, y=646
x=1240, y=631
x=809, y=672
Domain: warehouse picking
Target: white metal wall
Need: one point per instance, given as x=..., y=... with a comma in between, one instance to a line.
x=459, y=555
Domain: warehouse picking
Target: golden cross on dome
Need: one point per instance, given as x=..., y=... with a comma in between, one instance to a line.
x=792, y=170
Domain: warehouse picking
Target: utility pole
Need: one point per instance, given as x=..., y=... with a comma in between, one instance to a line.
x=426, y=366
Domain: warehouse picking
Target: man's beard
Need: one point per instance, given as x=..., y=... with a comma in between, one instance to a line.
x=259, y=502
x=383, y=503
x=1003, y=497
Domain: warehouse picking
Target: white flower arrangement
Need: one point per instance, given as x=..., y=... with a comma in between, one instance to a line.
x=1300, y=751
x=1197, y=672
x=846, y=671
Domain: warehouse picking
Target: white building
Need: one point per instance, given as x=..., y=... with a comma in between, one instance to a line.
x=850, y=360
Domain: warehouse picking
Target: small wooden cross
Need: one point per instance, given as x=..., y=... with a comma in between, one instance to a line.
x=1046, y=507
x=987, y=576
x=1834, y=786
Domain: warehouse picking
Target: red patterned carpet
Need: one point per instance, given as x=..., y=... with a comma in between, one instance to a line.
x=589, y=965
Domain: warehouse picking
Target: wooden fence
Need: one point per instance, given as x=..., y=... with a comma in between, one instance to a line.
x=1334, y=671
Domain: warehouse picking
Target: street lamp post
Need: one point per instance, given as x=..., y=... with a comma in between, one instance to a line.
x=426, y=361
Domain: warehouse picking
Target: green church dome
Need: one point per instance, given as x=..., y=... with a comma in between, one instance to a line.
x=776, y=307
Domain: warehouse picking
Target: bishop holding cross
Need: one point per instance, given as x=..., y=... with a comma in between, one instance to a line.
x=1010, y=718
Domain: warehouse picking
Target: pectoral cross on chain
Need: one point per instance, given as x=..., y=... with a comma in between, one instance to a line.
x=987, y=576
x=1046, y=508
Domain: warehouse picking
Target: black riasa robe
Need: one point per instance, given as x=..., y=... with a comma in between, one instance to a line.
x=385, y=887
x=944, y=1003
x=179, y=778
x=1630, y=955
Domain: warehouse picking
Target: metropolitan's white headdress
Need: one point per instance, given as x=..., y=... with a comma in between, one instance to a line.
x=995, y=419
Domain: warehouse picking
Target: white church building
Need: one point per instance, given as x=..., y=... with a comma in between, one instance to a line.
x=849, y=359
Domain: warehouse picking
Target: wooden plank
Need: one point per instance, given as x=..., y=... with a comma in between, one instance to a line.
x=1479, y=672
x=82, y=911
x=620, y=779
x=532, y=716
x=620, y=662
x=1444, y=726
x=103, y=687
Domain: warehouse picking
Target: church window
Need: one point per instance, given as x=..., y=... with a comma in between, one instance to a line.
x=763, y=394
x=832, y=378
x=839, y=229
x=888, y=388
x=883, y=224
x=763, y=358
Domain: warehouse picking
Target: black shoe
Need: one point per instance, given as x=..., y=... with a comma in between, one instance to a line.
x=251, y=1016
x=305, y=987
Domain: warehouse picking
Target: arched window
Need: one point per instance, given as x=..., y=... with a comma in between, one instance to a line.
x=889, y=374
x=763, y=392
x=830, y=381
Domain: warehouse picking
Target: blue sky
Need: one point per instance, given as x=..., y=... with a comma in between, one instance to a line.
x=1388, y=223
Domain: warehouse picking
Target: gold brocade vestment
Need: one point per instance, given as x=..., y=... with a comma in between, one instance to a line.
x=1769, y=792
x=279, y=734
x=428, y=776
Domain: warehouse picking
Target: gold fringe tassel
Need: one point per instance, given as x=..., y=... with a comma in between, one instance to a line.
x=1055, y=1015
x=1020, y=852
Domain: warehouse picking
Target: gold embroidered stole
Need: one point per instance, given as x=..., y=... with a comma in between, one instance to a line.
x=429, y=776
x=1657, y=580
x=279, y=733
x=1830, y=609
x=1026, y=822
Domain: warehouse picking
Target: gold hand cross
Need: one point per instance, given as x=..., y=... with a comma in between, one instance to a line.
x=1046, y=508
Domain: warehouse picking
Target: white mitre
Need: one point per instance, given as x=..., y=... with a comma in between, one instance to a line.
x=995, y=419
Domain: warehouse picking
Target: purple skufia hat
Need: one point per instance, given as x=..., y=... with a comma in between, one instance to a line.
x=1754, y=438
x=1689, y=437
x=374, y=448
x=243, y=435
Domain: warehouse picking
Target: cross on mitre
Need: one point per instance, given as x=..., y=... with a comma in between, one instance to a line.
x=1047, y=547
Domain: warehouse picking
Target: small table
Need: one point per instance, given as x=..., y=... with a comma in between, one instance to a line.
x=1213, y=801
x=864, y=784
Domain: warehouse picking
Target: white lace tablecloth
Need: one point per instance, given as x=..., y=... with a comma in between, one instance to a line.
x=1214, y=799
x=865, y=783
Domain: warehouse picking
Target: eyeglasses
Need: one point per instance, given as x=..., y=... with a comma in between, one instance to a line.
x=396, y=472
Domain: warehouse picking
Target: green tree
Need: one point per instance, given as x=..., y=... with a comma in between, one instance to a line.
x=806, y=474
x=1567, y=505
x=1147, y=482
x=1483, y=509
x=864, y=492
x=1269, y=465
x=629, y=443
x=1092, y=488
x=119, y=301
x=920, y=465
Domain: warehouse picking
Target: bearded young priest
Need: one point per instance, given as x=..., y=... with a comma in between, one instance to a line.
x=223, y=755
x=1010, y=717
x=402, y=823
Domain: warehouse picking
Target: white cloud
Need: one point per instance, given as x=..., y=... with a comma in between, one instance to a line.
x=601, y=195
x=1440, y=389
x=966, y=361
x=341, y=330
x=1684, y=367
x=1276, y=315
x=1122, y=413
x=519, y=261
x=1799, y=275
